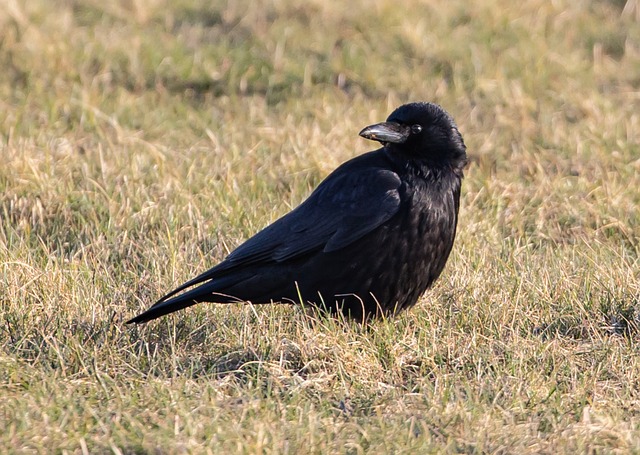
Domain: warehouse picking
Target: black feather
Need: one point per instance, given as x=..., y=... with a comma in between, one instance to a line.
x=369, y=240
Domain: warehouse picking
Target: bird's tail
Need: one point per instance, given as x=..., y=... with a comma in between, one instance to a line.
x=208, y=292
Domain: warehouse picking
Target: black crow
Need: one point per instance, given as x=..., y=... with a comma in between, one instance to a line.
x=370, y=239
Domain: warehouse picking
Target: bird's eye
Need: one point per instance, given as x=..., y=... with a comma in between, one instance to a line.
x=415, y=129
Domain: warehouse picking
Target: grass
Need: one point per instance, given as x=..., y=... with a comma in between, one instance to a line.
x=142, y=141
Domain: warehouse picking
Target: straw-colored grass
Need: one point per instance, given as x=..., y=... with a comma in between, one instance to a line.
x=142, y=141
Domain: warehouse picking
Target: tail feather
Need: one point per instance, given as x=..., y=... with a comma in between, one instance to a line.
x=257, y=286
x=208, y=292
x=208, y=275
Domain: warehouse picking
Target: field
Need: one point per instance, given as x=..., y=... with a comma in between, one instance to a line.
x=142, y=141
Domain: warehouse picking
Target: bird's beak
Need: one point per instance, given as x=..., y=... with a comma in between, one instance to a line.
x=387, y=132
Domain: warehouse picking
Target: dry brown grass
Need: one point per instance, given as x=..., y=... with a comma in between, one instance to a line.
x=141, y=141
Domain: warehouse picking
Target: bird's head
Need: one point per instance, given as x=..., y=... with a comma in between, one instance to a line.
x=422, y=131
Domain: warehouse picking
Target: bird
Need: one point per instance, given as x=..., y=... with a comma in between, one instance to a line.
x=369, y=240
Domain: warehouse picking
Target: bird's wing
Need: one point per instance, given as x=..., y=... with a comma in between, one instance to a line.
x=341, y=210
x=344, y=207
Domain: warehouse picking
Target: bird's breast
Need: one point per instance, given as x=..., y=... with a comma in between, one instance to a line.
x=428, y=227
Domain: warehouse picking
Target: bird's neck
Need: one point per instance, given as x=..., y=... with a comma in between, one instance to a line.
x=424, y=168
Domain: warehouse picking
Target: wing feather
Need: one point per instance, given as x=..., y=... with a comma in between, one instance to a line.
x=339, y=212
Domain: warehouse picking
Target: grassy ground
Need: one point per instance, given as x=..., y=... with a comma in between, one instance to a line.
x=141, y=141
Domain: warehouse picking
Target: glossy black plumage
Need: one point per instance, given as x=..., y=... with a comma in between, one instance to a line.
x=370, y=239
